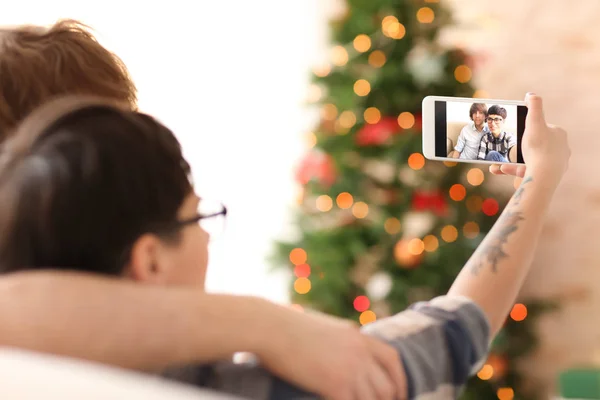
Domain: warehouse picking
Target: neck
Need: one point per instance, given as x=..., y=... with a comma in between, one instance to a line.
x=479, y=127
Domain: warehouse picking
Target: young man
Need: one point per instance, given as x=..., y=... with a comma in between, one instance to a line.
x=311, y=351
x=496, y=145
x=469, y=139
x=49, y=311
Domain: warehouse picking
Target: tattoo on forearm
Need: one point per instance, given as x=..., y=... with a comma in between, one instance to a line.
x=519, y=193
x=493, y=252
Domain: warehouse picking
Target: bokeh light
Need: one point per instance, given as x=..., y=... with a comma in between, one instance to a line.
x=474, y=204
x=481, y=94
x=462, y=73
x=475, y=176
x=347, y=119
x=339, y=56
x=518, y=312
x=403, y=256
x=302, y=271
x=416, y=247
x=486, y=372
x=505, y=393
x=322, y=71
x=362, y=43
x=392, y=225
x=361, y=303
x=298, y=256
x=392, y=28
x=471, y=230
x=490, y=207
x=425, y=15
x=324, y=203
x=416, y=161
x=458, y=192
x=367, y=317
x=406, y=120
x=302, y=285
x=387, y=21
x=314, y=93
x=329, y=112
x=396, y=31
x=450, y=164
x=449, y=233
x=377, y=59
x=362, y=87
x=344, y=200
x=360, y=209
x=431, y=243
x=372, y=115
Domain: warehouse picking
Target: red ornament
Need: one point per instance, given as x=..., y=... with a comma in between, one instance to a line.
x=316, y=165
x=361, y=303
x=378, y=133
x=430, y=201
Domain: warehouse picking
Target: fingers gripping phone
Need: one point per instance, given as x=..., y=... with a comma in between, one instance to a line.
x=483, y=131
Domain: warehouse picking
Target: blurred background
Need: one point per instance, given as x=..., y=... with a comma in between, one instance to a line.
x=303, y=117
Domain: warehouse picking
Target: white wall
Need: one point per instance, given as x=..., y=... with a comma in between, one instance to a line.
x=230, y=79
x=457, y=111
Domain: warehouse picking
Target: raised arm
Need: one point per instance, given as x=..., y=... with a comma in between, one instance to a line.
x=495, y=273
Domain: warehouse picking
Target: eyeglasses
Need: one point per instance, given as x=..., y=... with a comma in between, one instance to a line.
x=211, y=216
x=496, y=120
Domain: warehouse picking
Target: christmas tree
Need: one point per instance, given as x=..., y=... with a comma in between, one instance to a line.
x=381, y=227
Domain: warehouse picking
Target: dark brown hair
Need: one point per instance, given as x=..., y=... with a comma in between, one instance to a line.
x=498, y=110
x=81, y=180
x=477, y=107
x=39, y=63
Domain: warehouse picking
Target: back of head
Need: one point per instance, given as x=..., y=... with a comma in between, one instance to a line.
x=39, y=63
x=81, y=180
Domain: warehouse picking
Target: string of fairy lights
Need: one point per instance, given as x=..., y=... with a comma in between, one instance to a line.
x=343, y=121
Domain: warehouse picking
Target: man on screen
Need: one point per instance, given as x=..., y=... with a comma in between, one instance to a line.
x=496, y=144
x=469, y=139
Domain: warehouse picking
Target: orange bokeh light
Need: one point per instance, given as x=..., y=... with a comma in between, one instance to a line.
x=416, y=161
x=458, y=192
x=518, y=312
x=344, y=200
x=298, y=256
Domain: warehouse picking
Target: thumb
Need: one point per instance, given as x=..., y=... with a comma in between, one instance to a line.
x=535, y=108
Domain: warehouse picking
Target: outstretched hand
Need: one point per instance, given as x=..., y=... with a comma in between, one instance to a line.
x=544, y=146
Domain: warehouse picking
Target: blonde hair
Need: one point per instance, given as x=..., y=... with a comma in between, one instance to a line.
x=38, y=64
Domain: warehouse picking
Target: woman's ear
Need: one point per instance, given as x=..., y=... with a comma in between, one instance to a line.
x=145, y=260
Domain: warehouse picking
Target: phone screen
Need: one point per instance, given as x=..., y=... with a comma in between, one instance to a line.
x=479, y=131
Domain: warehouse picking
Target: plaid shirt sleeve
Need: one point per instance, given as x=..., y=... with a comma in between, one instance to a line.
x=483, y=147
x=441, y=344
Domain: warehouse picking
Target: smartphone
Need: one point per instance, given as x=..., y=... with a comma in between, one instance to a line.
x=483, y=131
